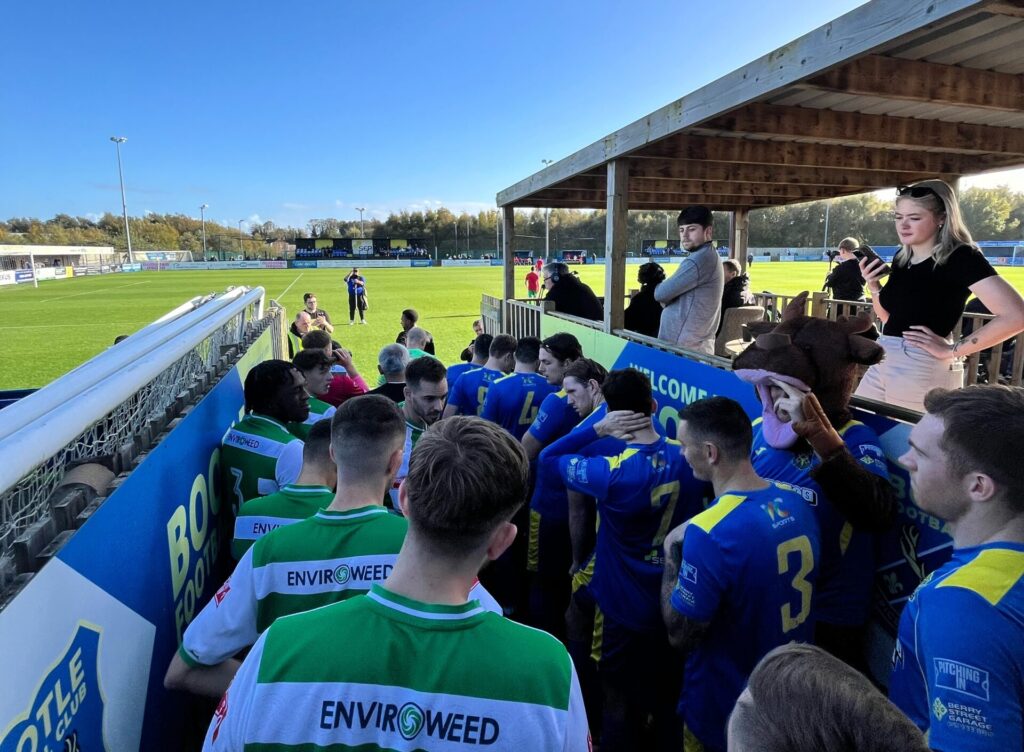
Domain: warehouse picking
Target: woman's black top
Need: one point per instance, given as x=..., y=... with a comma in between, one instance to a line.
x=643, y=315
x=930, y=295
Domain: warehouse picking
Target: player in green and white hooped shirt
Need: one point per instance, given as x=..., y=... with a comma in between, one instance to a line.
x=337, y=553
x=414, y=665
x=312, y=491
x=315, y=367
x=426, y=389
x=258, y=455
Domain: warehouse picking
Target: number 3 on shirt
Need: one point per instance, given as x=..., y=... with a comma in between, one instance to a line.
x=802, y=547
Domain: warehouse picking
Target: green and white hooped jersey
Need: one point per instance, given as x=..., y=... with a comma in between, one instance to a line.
x=258, y=457
x=259, y=516
x=365, y=674
x=318, y=410
x=326, y=558
x=321, y=560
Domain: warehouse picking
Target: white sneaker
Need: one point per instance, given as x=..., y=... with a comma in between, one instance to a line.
x=362, y=321
x=350, y=323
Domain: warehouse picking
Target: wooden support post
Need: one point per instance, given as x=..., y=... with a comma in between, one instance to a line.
x=508, y=236
x=615, y=241
x=732, y=234
x=741, y=224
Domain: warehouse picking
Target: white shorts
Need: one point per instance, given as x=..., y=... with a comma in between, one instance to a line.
x=908, y=373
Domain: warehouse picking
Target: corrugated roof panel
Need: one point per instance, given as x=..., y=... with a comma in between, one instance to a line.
x=965, y=52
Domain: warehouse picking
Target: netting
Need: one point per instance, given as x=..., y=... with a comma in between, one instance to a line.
x=27, y=502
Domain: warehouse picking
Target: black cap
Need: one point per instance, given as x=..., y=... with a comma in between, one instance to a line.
x=695, y=215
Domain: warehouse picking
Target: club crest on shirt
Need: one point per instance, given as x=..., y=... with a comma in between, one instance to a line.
x=803, y=460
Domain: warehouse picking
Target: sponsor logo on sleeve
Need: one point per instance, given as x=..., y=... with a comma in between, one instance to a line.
x=577, y=470
x=688, y=572
x=961, y=677
x=66, y=712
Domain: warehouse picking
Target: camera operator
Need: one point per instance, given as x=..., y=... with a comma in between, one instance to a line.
x=845, y=281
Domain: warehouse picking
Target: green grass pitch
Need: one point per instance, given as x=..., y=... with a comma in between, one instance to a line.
x=45, y=332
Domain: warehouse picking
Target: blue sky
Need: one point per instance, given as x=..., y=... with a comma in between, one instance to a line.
x=285, y=111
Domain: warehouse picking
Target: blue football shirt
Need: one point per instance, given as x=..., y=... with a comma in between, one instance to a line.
x=958, y=666
x=470, y=389
x=642, y=493
x=513, y=401
x=749, y=563
x=847, y=565
x=457, y=370
x=555, y=418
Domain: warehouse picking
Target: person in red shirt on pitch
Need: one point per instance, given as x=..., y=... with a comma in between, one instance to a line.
x=532, y=284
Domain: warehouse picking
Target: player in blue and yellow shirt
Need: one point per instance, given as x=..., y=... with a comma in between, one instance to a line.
x=642, y=493
x=480, y=349
x=467, y=394
x=739, y=576
x=842, y=597
x=513, y=401
x=556, y=416
x=958, y=667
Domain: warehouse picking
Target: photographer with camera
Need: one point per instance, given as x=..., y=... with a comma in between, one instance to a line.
x=844, y=282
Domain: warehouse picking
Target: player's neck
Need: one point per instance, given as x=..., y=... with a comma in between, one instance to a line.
x=493, y=364
x=357, y=492
x=979, y=527
x=426, y=578
x=311, y=475
x=411, y=417
x=646, y=436
x=737, y=478
x=525, y=368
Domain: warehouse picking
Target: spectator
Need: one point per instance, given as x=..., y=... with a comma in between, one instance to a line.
x=467, y=355
x=569, y=294
x=258, y=454
x=409, y=319
x=356, y=296
x=739, y=577
x=315, y=367
x=692, y=296
x=958, y=667
x=643, y=315
x=312, y=491
x=801, y=699
x=985, y=374
x=478, y=352
x=937, y=267
x=417, y=635
x=736, y=292
x=346, y=384
x=391, y=363
x=321, y=319
x=845, y=281
x=419, y=342
x=300, y=327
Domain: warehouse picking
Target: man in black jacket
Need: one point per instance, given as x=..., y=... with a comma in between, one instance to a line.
x=569, y=294
x=845, y=281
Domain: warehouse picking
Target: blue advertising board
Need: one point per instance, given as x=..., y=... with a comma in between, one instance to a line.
x=120, y=593
x=420, y=262
x=302, y=264
x=23, y=275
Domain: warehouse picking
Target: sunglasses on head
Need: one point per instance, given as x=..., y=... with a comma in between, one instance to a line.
x=916, y=191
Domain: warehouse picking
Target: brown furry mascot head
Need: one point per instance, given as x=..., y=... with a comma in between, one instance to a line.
x=812, y=354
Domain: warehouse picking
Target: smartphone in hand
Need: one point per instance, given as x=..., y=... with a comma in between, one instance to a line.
x=869, y=255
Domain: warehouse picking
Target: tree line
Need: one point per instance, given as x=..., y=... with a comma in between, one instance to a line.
x=990, y=213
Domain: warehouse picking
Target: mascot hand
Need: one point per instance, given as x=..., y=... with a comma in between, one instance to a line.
x=816, y=428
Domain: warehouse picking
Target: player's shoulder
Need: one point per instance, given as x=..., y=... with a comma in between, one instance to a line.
x=991, y=579
x=521, y=640
x=855, y=430
x=261, y=504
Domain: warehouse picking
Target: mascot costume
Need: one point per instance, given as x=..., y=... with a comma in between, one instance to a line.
x=804, y=371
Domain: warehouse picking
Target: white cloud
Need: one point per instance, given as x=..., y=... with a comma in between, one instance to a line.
x=1014, y=179
x=254, y=219
x=92, y=216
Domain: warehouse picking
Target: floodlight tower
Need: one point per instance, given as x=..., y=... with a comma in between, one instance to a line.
x=118, y=140
x=202, y=214
x=362, y=230
x=547, y=222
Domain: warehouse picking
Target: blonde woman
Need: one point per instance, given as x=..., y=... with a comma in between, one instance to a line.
x=936, y=269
